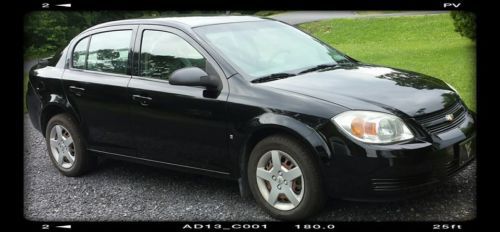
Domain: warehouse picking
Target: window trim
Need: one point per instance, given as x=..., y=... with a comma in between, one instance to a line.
x=89, y=34
x=101, y=73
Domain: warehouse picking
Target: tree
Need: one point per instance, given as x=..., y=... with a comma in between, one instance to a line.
x=44, y=32
x=465, y=23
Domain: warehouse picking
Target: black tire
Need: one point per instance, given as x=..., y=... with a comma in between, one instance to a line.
x=83, y=161
x=314, y=196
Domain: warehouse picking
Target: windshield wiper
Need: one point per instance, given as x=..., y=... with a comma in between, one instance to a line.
x=272, y=77
x=318, y=67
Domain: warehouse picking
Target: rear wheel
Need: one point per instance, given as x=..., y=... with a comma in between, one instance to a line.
x=66, y=146
x=284, y=178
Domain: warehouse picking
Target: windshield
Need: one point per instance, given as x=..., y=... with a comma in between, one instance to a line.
x=263, y=48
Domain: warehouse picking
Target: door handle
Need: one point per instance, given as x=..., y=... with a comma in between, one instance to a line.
x=78, y=91
x=143, y=100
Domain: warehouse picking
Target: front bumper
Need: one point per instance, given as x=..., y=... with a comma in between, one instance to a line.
x=390, y=172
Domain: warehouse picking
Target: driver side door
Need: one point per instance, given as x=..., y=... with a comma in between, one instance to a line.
x=177, y=125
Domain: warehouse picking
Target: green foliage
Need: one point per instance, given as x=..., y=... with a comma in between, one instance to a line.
x=43, y=32
x=426, y=44
x=465, y=23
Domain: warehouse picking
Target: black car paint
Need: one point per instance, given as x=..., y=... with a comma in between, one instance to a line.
x=185, y=129
x=386, y=89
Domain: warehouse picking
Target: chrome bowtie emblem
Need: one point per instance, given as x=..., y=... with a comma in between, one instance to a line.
x=449, y=117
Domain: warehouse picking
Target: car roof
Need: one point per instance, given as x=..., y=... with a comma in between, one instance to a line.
x=189, y=22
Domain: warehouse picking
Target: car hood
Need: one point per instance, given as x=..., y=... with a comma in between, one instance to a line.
x=369, y=87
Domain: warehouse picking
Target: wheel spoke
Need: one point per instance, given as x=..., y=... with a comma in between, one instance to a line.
x=67, y=141
x=71, y=159
x=293, y=173
x=292, y=197
x=276, y=160
x=273, y=196
x=264, y=174
x=60, y=157
x=58, y=132
x=53, y=143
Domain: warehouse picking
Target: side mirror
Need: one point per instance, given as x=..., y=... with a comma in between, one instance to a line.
x=194, y=76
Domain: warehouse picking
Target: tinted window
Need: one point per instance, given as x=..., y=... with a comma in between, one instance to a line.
x=162, y=53
x=80, y=54
x=108, y=52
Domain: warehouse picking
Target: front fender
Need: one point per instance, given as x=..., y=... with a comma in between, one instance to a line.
x=270, y=123
x=298, y=128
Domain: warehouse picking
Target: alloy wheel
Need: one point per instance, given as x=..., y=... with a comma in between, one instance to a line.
x=280, y=180
x=62, y=146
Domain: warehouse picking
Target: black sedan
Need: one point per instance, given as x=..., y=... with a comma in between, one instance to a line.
x=255, y=100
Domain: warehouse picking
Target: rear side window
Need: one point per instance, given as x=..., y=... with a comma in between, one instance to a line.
x=108, y=52
x=80, y=54
x=162, y=53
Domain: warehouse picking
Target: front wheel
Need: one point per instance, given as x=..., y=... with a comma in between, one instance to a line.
x=284, y=178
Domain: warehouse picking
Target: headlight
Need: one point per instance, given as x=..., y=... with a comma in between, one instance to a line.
x=453, y=88
x=373, y=127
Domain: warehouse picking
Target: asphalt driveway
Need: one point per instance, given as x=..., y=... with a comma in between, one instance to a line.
x=120, y=191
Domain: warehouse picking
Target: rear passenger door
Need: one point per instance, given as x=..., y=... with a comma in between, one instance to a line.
x=96, y=82
x=177, y=125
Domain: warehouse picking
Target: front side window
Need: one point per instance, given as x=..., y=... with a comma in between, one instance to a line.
x=162, y=53
x=80, y=54
x=108, y=52
x=262, y=48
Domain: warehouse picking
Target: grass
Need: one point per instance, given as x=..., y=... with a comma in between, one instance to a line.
x=426, y=44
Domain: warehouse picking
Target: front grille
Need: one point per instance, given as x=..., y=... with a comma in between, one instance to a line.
x=449, y=168
x=408, y=183
x=436, y=122
x=401, y=184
